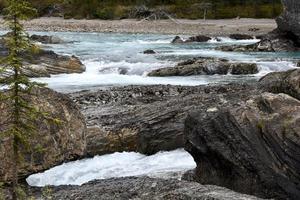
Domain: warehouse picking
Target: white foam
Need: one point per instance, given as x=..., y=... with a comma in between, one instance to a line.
x=233, y=41
x=154, y=42
x=136, y=68
x=210, y=53
x=103, y=74
x=114, y=165
x=91, y=80
x=268, y=67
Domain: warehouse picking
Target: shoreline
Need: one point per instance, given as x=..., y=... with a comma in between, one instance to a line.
x=222, y=27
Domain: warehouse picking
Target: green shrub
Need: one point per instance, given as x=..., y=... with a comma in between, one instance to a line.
x=116, y=9
x=105, y=13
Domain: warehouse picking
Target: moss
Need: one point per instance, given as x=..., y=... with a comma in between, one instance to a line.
x=261, y=125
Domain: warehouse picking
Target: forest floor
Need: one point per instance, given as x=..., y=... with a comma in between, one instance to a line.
x=221, y=27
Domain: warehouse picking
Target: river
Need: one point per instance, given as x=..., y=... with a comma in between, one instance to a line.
x=117, y=59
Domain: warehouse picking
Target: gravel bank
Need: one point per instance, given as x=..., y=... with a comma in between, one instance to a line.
x=208, y=27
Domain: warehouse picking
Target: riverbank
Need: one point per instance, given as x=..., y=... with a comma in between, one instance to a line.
x=222, y=27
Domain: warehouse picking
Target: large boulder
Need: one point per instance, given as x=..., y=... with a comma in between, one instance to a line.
x=198, y=38
x=285, y=38
x=51, y=63
x=143, y=188
x=282, y=82
x=274, y=41
x=206, y=66
x=241, y=37
x=43, y=63
x=45, y=39
x=289, y=21
x=52, y=143
x=249, y=146
x=243, y=68
x=147, y=119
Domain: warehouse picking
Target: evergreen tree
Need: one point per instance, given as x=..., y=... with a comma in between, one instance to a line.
x=17, y=86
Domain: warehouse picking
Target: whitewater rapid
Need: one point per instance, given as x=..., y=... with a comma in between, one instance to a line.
x=117, y=59
x=114, y=166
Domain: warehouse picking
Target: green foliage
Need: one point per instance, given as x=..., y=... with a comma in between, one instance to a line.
x=192, y=9
x=21, y=114
x=105, y=13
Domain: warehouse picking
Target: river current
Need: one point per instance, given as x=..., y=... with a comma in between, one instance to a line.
x=108, y=55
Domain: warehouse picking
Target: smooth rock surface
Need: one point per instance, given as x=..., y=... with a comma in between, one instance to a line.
x=206, y=66
x=52, y=143
x=249, y=146
x=143, y=188
x=282, y=82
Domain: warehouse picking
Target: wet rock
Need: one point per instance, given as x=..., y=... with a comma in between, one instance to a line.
x=53, y=63
x=45, y=39
x=52, y=143
x=249, y=146
x=237, y=48
x=241, y=37
x=177, y=40
x=285, y=38
x=244, y=68
x=123, y=71
x=143, y=188
x=206, y=66
x=198, y=38
x=288, y=22
x=272, y=42
x=298, y=64
x=146, y=119
x=149, y=51
x=282, y=82
x=119, y=70
x=43, y=63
